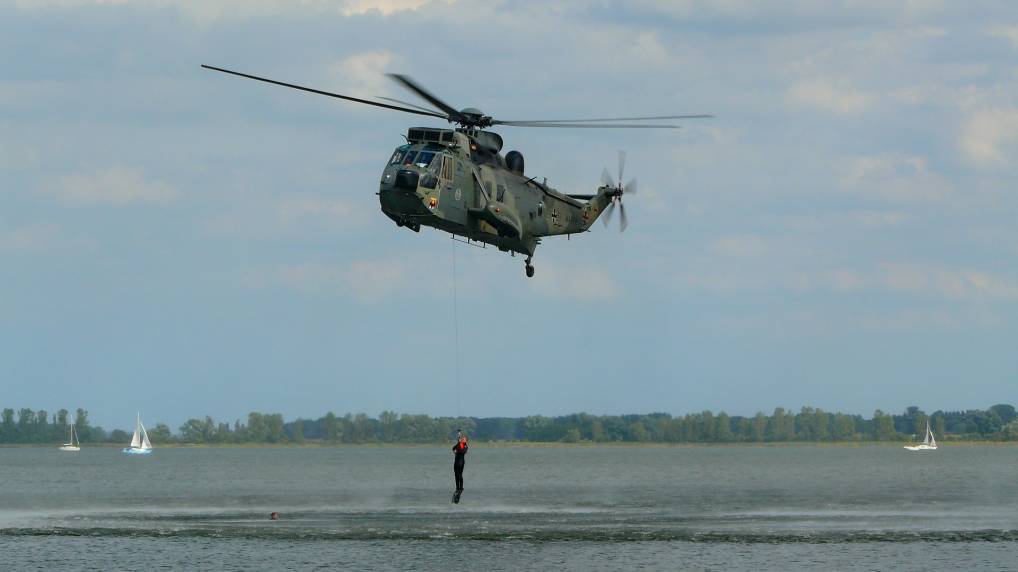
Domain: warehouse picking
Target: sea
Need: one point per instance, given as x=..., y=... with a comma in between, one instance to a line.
x=795, y=507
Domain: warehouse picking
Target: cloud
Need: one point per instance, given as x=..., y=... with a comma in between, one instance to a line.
x=947, y=282
x=834, y=96
x=739, y=245
x=119, y=186
x=364, y=72
x=18, y=155
x=40, y=237
x=373, y=280
x=990, y=137
x=208, y=11
x=584, y=284
x=32, y=237
x=767, y=17
x=40, y=4
x=877, y=219
x=1010, y=33
x=924, y=280
x=281, y=219
x=894, y=176
x=938, y=281
x=300, y=209
x=831, y=320
x=384, y=7
x=365, y=280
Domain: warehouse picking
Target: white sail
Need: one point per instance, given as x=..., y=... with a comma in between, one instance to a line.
x=140, y=445
x=929, y=442
x=145, y=443
x=136, y=439
x=72, y=444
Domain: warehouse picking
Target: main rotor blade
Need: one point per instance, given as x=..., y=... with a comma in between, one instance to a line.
x=622, y=163
x=407, y=103
x=414, y=87
x=623, y=222
x=606, y=178
x=630, y=187
x=651, y=118
x=328, y=93
x=584, y=125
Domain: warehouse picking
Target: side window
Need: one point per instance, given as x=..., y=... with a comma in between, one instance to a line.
x=429, y=181
x=540, y=208
x=487, y=188
x=501, y=193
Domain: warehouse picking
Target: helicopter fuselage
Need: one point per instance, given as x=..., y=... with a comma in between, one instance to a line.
x=456, y=181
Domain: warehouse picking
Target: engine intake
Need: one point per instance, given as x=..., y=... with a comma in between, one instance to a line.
x=514, y=162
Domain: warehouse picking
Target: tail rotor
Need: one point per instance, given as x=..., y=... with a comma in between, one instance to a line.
x=616, y=191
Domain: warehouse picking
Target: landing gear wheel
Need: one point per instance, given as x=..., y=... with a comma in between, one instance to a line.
x=530, y=271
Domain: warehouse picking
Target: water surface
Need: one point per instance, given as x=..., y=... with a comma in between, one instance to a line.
x=564, y=507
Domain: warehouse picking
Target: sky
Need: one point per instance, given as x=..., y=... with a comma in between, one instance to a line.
x=184, y=243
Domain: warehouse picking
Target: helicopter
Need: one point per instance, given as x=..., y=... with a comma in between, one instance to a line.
x=456, y=180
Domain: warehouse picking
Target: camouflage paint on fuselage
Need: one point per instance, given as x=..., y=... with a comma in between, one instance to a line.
x=456, y=181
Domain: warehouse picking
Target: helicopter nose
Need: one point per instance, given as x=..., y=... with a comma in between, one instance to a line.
x=406, y=179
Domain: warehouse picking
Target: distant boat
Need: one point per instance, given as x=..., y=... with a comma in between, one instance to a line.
x=74, y=445
x=928, y=444
x=140, y=445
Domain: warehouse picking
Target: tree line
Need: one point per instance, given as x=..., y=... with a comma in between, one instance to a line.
x=998, y=423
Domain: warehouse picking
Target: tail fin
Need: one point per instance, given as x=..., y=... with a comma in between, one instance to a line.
x=596, y=204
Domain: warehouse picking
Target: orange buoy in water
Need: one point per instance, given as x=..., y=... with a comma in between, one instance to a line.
x=274, y=516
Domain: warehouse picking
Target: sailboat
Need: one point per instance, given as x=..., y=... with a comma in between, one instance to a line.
x=928, y=444
x=140, y=445
x=74, y=444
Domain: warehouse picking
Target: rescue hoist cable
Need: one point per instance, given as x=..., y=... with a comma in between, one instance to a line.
x=456, y=329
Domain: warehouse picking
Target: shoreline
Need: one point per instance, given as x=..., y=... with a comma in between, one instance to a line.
x=517, y=445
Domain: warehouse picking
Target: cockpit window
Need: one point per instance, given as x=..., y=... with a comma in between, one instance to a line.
x=398, y=155
x=408, y=159
x=424, y=159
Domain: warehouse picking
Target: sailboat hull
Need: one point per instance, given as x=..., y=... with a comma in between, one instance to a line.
x=71, y=448
x=133, y=451
x=921, y=447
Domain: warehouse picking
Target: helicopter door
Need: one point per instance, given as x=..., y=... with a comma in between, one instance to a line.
x=452, y=195
x=488, y=178
x=480, y=200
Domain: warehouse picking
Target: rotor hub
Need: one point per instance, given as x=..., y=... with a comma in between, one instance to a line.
x=472, y=117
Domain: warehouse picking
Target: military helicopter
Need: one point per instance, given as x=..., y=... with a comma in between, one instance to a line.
x=457, y=181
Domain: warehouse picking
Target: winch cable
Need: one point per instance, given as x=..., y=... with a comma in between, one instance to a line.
x=456, y=329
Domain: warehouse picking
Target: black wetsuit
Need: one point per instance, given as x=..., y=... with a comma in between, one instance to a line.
x=457, y=466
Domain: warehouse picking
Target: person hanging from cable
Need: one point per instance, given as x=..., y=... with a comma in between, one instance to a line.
x=460, y=459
